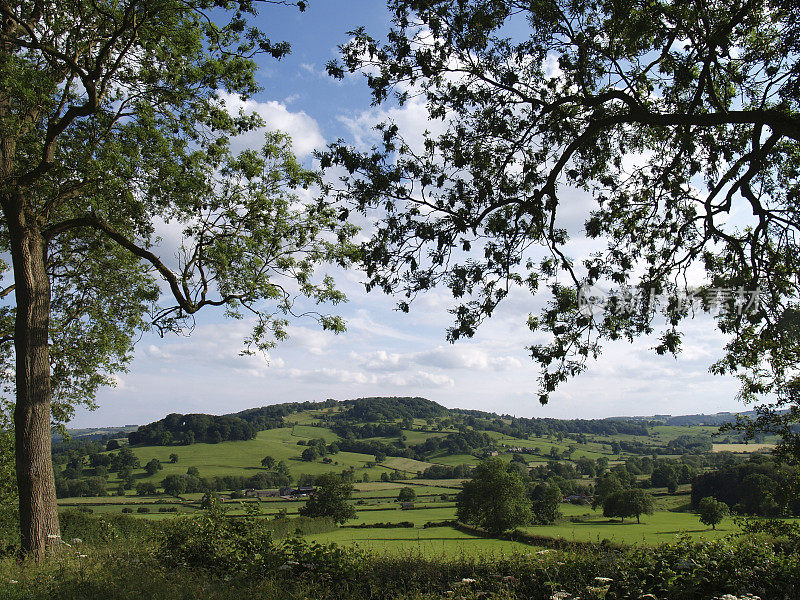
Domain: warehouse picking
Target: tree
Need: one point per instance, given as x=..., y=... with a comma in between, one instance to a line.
x=380, y=457
x=310, y=454
x=114, y=120
x=173, y=458
x=628, y=503
x=688, y=153
x=712, y=511
x=330, y=499
x=494, y=499
x=605, y=487
x=406, y=494
x=146, y=489
x=268, y=462
x=153, y=466
x=174, y=485
x=665, y=475
x=193, y=472
x=546, y=499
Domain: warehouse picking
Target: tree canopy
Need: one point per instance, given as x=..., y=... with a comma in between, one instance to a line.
x=628, y=503
x=115, y=130
x=711, y=511
x=671, y=126
x=329, y=499
x=494, y=499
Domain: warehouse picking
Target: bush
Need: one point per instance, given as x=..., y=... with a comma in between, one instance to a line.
x=214, y=542
x=400, y=525
x=94, y=529
x=143, y=509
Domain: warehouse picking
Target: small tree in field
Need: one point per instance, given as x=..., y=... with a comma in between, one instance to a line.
x=628, y=503
x=330, y=499
x=153, y=467
x=495, y=499
x=712, y=511
x=268, y=462
x=173, y=458
x=406, y=494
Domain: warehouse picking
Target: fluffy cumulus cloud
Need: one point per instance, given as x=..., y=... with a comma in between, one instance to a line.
x=303, y=129
x=442, y=357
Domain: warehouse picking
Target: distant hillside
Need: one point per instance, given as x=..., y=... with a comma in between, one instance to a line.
x=96, y=433
x=711, y=420
x=366, y=418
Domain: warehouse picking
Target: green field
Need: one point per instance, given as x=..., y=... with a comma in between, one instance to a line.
x=244, y=458
x=444, y=542
x=662, y=526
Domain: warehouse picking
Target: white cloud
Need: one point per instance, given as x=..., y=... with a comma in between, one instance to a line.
x=303, y=129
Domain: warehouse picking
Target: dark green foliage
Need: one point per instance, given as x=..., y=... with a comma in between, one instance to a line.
x=757, y=487
x=330, y=499
x=310, y=454
x=84, y=487
x=494, y=499
x=390, y=525
x=175, y=429
x=447, y=472
x=604, y=487
x=711, y=511
x=406, y=494
x=628, y=503
x=153, y=466
x=687, y=444
x=146, y=489
x=665, y=476
x=368, y=430
x=96, y=529
x=379, y=409
x=546, y=498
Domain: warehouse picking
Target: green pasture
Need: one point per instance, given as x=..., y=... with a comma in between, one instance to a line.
x=420, y=437
x=453, y=460
x=408, y=465
x=444, y=542
x=661, y=526
x=244, y=457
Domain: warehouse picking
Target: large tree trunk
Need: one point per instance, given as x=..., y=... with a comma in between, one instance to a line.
x=37, y=492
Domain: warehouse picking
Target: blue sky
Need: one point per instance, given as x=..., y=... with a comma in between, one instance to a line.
x=385, y=352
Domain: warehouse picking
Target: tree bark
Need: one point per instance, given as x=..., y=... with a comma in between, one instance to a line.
x=37, y=493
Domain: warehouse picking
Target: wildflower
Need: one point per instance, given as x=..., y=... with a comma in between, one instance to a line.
x=560, y=596
x=83, y=556
x=76, y=541
x=548, y=551
x=467, y=580
x=603, y=579
x=13, y=581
